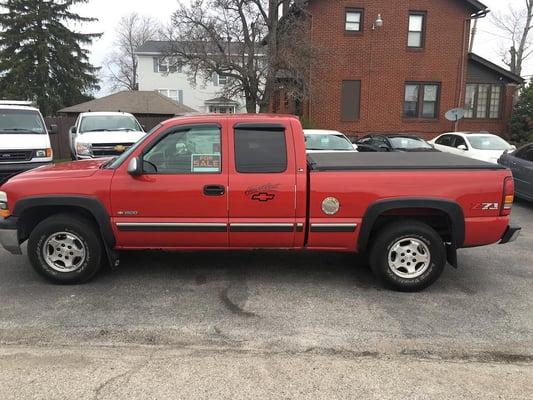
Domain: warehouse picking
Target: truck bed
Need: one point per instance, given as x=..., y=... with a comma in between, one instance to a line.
x=395, y=161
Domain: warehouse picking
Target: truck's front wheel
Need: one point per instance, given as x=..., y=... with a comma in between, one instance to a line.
x=65, y=249
x=408, y=256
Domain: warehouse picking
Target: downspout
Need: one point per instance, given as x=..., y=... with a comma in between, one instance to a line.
x=464, y=54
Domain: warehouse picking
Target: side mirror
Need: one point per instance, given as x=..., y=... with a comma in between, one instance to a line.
x=72, y=130
x=135, y=167
x=513, y=148
x=355, y=147
x=462, y=147
x=53, y=130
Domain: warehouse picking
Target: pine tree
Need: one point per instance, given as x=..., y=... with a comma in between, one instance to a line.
x=41, y=59
x=522, y=119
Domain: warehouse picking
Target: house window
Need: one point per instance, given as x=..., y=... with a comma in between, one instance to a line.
x=483, y=101
x=222, y=80
x=173, y=94
x=350, y=100
x=417, y=28
x=222, y=109
x=167, y=65
x=421, y=100
x=353, y=21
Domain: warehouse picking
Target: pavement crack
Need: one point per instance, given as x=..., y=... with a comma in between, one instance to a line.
x=126, y=374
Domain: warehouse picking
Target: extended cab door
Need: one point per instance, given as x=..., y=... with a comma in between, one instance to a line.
x=262, y=197
x=180, y=200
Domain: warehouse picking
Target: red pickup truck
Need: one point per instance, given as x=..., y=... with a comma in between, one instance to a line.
x=245, y=182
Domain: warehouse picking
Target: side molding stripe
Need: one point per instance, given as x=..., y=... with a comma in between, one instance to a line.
x=333, y=227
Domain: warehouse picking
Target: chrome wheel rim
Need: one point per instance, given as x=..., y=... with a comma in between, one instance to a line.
x=409, y=258
x=64, y=252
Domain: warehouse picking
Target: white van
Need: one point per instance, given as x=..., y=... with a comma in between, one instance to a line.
x=103, y=134
x=24, y=140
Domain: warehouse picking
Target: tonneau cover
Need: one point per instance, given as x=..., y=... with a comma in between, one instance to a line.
x=395, y=161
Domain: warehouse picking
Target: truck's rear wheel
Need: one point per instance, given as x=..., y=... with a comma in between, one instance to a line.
x=408, y=256
x=65, y=249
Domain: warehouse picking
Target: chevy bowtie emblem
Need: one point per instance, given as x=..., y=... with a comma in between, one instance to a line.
x=262, y=197
x=119, y=148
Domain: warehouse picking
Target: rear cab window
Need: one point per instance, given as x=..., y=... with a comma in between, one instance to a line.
x=261, y=149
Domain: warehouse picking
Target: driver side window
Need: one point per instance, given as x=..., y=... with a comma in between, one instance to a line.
x=195, y=150
x=459, y=141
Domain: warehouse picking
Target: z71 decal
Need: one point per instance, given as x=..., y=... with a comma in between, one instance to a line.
x=487, y=206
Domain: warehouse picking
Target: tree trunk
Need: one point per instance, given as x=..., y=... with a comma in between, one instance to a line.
x=251, y=106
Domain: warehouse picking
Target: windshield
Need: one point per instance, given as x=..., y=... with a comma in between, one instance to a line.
x=327, y=142
x=488, y=142
x=21, y=122
x=409, y=143
x=109, y=123
x=117, y=162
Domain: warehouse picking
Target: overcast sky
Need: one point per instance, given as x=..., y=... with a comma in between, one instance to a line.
x=109, y=13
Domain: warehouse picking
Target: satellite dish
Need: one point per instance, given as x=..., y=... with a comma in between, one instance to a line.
x=455, y=114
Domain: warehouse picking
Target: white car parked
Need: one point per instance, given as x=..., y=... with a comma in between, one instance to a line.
x=24, y=140
x=480, y=146
x=103, y=134
x=325, y=141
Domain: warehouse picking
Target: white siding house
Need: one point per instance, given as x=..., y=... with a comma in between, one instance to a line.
x=156, y=74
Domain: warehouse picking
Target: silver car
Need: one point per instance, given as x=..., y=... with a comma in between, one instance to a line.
x=521, y=163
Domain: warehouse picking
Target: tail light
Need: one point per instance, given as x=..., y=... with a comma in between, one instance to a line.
x=508, y=196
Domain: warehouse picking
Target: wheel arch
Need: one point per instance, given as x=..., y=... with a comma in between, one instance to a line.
x=32, y=210
x=450, y=209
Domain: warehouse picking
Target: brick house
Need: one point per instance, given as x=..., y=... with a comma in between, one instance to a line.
x=398, y=66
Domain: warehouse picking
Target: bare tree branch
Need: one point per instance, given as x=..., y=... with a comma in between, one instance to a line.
x=121, y=64
x=227, y=37
x=516, y=25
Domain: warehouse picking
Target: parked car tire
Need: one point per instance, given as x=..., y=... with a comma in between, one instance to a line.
x=66, y=249
x=408, y=256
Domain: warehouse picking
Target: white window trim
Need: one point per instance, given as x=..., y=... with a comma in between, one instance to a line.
x=167, y=63
x=167, y=93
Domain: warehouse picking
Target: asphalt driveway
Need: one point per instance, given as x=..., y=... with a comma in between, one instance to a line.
x=270, y=310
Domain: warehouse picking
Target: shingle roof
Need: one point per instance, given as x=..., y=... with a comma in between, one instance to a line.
x=165, y=46
x=137, y=102
x=496, y=68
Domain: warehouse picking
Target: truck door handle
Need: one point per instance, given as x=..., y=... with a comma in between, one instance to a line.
x=214, y=190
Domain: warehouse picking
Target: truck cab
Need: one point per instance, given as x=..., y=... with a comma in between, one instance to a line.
x=103, y=134
x=24, y=138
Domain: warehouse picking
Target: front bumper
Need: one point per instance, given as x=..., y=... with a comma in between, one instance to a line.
x=9, y=238
x=12, y=169
x=511, y=234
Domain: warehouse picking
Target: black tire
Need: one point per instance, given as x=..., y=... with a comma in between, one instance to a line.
x=392, y=235
x=88, y=236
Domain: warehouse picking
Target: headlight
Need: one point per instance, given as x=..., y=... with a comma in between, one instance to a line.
x=4, y=211
x=84, y=149
x=44, y=153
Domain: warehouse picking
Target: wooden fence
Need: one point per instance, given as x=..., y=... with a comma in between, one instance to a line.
x=61, y=142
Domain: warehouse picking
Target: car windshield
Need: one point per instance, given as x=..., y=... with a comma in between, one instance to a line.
x=103, y=123
x=21, y=122
x=488, y=142
x=408, y=143
x=327, y=142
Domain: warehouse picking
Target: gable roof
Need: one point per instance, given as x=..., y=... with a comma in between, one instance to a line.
x=156, y=47
x=479, y=6
x=136, y=102
x=496, y=69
